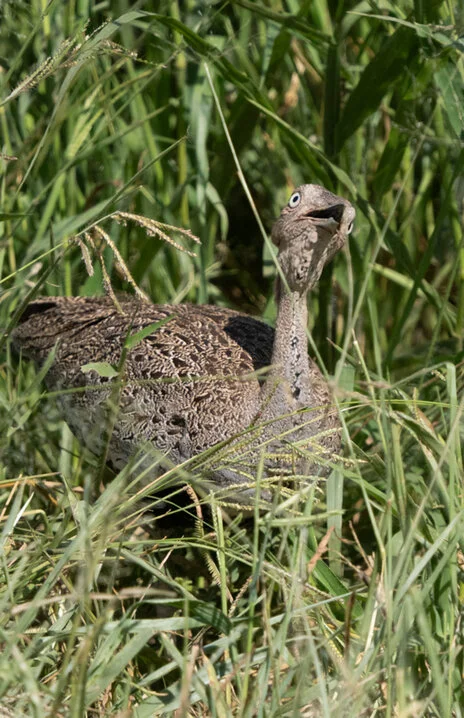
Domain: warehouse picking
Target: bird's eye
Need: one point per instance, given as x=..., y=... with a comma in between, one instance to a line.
x=350, y=228
x=294, y=200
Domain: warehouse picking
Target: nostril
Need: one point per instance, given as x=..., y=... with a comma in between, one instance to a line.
x=350, y=228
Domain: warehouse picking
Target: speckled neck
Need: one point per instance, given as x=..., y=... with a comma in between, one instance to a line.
x=288, y=386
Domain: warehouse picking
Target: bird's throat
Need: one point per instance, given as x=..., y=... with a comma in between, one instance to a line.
x=288, y=387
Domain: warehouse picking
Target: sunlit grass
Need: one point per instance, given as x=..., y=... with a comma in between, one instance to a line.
x=344, y=599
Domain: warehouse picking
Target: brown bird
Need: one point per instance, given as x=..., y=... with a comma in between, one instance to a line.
x=198, y=374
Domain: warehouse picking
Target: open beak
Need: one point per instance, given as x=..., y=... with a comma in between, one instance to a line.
x=328, y=218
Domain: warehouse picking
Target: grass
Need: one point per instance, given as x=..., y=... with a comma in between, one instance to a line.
x=347, y=600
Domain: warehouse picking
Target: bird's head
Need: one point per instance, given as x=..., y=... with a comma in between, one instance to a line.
x=311, y=229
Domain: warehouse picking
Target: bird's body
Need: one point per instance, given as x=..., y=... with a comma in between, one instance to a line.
x=181, y=385
x=203, y=374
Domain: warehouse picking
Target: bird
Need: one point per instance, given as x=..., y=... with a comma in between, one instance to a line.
x=192, y=377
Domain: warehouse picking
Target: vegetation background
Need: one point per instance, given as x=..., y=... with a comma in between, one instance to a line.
x=205, y=115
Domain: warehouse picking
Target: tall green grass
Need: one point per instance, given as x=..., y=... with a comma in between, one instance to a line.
x=346, y=599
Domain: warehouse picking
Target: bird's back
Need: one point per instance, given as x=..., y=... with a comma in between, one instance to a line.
x=188, y=384
x=96, y=327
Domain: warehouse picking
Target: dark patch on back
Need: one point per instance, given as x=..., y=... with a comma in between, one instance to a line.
x=255, y=338
x=35, y=308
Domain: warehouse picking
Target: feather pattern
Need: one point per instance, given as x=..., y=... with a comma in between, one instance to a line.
x=205, y=373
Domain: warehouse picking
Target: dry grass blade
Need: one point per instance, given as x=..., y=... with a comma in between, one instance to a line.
x=69, y=53
x=156, y=229
x=153, y=228
x=85, y=251
x=122, y=265
x=90, y=242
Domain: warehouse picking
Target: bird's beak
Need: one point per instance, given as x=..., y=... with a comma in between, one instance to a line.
x=328, y=218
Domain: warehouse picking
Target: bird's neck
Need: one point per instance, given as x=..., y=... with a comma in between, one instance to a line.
x=288, y=386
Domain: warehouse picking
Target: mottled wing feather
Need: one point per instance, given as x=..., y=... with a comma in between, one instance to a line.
x=186, y=386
